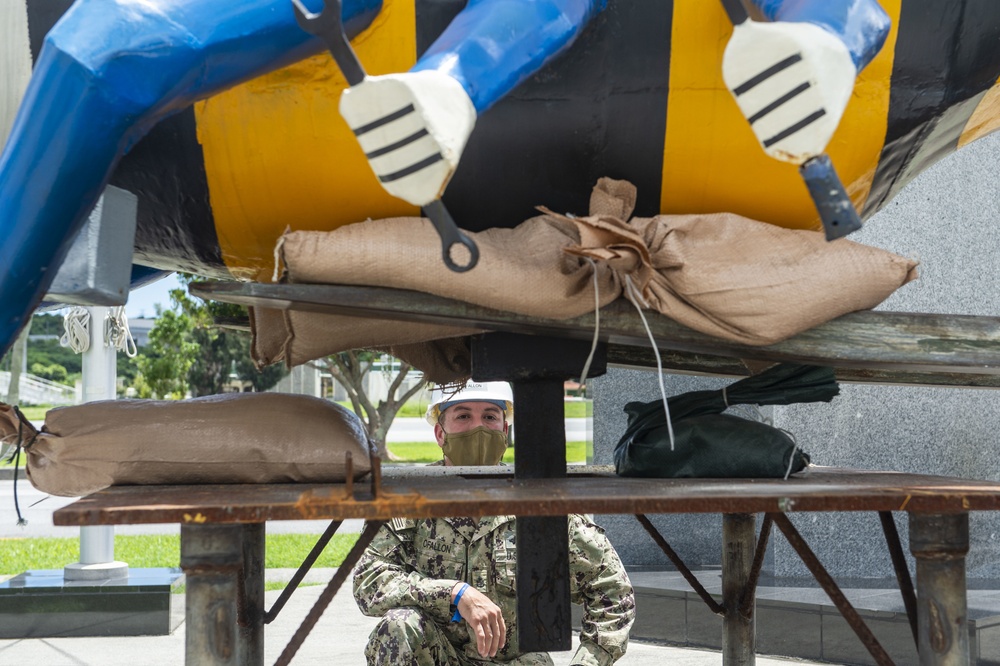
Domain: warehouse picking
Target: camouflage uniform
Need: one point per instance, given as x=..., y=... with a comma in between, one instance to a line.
x=408, y=572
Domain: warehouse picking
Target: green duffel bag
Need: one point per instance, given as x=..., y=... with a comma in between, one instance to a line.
x=710, y=444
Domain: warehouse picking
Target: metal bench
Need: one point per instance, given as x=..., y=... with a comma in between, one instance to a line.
x=536, y=355
x=222, y=539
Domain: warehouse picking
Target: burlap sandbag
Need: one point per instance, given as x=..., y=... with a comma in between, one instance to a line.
x=232, y=438
x=297, y=337
x=722, y=274
x=733, y=277
x=521, y=270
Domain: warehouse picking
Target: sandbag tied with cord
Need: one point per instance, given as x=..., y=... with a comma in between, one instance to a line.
x=710, y=444
x=230, y=438
x=721, y=274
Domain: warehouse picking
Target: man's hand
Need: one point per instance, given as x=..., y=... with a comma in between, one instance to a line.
x=485, y=619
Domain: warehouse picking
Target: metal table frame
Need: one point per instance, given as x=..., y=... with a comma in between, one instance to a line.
x=536, y=355
x=222, y=538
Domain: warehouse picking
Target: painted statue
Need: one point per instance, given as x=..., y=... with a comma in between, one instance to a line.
x=227, y=119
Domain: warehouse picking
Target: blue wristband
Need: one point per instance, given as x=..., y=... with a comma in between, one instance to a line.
x=457, y=617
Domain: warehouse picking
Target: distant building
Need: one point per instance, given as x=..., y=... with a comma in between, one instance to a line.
x=140, y=330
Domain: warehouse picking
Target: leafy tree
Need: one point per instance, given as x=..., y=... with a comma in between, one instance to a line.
x=48, y=352
x=349, y=369
x=221, y=349
x=47, y=324
x=54, y=372
x=168, y=357
x=187, y=351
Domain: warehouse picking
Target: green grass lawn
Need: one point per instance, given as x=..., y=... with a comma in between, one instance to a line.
x=283, y=551
x=35, y=414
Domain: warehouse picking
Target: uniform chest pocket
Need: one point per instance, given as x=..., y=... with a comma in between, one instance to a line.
x=505, y=556
x=440, y=558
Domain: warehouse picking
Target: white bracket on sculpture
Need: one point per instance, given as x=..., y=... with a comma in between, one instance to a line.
x=792, y=82
x=412, y=128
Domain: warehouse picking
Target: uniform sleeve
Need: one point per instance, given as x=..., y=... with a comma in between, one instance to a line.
x=599, y=582
x=383, y=579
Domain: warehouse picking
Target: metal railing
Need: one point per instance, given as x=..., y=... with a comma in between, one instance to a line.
x=37, y=391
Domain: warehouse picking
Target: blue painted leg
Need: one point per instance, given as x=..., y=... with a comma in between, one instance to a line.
x=108, y=72
x=493, y=45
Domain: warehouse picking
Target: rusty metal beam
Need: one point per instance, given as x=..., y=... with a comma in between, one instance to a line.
x=826, y=581
x=250, y=602
x=902, y=571
x=940, y=542
x=212, y=559
x=747, y=602
x=738, y=631
x=537, y=367
x=301, y=572
x=906, y=343
x=543, y=605
x=324, y=599
x=434, y=496
x=674, y=558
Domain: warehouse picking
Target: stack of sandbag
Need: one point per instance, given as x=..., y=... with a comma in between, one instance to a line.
x=231, y=438
x=722, y=274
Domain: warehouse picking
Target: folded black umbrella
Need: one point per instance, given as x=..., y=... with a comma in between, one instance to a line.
x=708, y=443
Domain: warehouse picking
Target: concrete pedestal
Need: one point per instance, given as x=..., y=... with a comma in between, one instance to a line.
x=43, y=604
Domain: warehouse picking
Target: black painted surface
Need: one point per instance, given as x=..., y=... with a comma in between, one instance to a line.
x=938, y=78
x=42, y=15
x=166, y=170
x=606, y=100
x=514, y=356
x=433, y=16
x=544, y=619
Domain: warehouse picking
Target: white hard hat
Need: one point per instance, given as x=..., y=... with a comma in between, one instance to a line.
x=498, y=393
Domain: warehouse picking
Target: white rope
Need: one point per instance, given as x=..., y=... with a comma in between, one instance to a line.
x=597, y=328
x=117, y=333
x=791, y=457
x=76, y=327
x=635, y=298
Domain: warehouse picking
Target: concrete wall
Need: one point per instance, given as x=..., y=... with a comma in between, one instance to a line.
x=948, y=218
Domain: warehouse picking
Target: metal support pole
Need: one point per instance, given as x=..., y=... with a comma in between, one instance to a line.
x=738, y=546
x=212, y=560
x=537, y=367
x=250, y=605
x=543, y=605
x=940, y=542
x=97, y=542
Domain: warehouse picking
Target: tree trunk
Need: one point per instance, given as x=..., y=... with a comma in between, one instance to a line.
x=18, y=359
x=349, y=369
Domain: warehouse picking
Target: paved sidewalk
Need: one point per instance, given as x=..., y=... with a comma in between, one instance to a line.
x=337, y=640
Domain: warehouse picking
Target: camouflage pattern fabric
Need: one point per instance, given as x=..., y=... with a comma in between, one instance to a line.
x=406, y=576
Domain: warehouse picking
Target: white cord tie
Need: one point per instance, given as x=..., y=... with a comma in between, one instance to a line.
x=791, y=457
x=635, y=297
x=597, y=327
x=117, y=333
x=76, y=327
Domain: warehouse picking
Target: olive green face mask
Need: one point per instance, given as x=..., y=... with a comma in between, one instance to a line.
x=479, y=446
